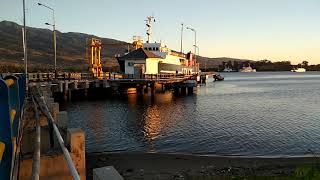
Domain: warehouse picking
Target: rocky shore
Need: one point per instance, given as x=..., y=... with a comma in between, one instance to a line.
x=133, y=166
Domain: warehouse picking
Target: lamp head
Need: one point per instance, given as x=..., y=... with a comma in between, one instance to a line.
x=39, y=4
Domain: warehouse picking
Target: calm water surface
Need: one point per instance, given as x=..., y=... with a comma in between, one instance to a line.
x=247, y=114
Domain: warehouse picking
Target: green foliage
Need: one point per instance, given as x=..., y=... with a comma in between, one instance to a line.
x=304, y=172
x=19, y=68
x=307, y=172
x=11, y=68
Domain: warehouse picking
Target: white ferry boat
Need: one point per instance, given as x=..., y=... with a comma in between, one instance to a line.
x=248, y=69
x=156, y=58
x=299, y=70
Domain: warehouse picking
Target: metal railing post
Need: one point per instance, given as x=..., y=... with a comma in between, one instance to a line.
x=45, y=110
x=37, y=145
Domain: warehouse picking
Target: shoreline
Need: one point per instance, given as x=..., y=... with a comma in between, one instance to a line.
x=186, y=166
x=207, y=155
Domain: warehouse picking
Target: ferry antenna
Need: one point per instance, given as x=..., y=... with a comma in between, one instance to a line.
x=149, y=27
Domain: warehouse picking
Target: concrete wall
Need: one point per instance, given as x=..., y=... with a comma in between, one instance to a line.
x=106, y=173
x=130, y=69
x=152, y=65
x=53, y=165
x=172, y=60
x=172, y=68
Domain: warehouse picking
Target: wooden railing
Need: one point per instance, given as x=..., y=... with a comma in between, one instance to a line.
x=153, y=76
x=40, y=77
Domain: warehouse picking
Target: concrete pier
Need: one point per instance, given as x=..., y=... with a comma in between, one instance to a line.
x=190, y=90
x=53, y=164
x=104, y=172
x=116, y=86
x=183, y=90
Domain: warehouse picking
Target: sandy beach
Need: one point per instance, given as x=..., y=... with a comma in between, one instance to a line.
x=178, y=166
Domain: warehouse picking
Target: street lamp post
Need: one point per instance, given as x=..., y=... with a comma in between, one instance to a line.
x=181, y=49
x=195, y=46
x=195, y=40
x=54, y=36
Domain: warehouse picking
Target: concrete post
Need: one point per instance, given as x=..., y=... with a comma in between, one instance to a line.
x=152, y=90
x=146, y=89
x=60, y=86
x=108, y=172
x=54, y=110
x=66, y=86
x=86, y=93
x=183, y=90
x=65, y=95
x=176, y=91
x=139, y=89
x=62, y=119
x=76, y=139
x=69, y=95
x=190, y=90
x=50, y=100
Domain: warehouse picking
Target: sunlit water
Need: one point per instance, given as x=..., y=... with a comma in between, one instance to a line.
x=247, y=114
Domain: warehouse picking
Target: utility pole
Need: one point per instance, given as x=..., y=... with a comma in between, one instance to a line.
x=24, y=40
x=55, y=44
x=181, y=50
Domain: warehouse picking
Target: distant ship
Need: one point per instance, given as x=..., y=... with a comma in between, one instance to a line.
x=298, y=70
x=228, y=70
x=247, y=69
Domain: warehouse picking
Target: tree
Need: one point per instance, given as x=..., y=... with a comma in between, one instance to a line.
x=305, y=64
x=229, y=65
x=235, y=65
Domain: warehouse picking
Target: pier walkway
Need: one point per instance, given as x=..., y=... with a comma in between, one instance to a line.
x=35, y=141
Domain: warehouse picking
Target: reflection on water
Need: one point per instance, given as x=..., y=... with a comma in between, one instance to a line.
x=152, y=126
x=152, y=123
x=247, y=114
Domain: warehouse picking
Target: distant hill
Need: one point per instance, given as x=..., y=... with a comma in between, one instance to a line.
x=71, y=48
x=208, y=63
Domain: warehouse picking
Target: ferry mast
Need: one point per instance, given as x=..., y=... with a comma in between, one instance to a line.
x=149, y=21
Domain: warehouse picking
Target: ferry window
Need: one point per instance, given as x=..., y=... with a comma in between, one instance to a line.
x=154, y=48
x=145, y=48
x=157, y=49
x=130, y=64
x=150, y=48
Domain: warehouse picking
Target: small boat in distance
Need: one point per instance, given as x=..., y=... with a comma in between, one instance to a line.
x=227, y=69
x=248, y=69
x=218, y=77
x=298, y=70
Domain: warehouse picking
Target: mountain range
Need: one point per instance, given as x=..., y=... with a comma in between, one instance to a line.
x=71, y=48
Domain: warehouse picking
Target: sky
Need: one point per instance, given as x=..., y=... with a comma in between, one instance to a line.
x=277, y=30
